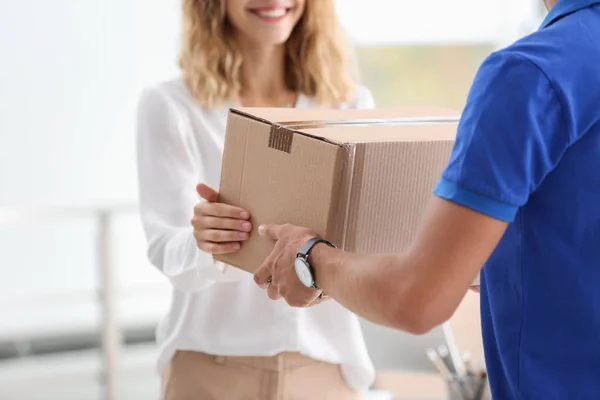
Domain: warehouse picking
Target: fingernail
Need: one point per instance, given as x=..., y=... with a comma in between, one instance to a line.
x=246, y=226
x=243, y=235
x=244, y=215
x=261, y=229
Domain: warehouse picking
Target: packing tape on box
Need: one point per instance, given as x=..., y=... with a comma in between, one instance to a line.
x=348, y=170
x=281, y=136
x=364, y=122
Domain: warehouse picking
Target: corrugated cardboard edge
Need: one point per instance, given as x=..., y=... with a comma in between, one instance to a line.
x=340, y=205
x=340, y=228
x=225, y=258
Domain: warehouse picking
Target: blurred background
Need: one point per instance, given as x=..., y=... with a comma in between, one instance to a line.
x=74, y=278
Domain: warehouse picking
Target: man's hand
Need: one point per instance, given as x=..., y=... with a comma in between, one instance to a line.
x=277, y=274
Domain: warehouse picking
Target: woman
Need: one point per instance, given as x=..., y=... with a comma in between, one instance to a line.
x=223, y=338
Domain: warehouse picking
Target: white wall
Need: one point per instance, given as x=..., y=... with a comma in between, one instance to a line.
x=70, y=74
x=438, y=21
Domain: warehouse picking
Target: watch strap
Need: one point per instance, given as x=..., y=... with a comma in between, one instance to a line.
x=309, y=244
x=304, y=252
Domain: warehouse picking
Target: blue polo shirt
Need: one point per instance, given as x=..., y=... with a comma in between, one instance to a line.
x=528, y=152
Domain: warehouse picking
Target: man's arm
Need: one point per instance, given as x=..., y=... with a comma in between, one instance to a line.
x=421, y=288
x=512, y=134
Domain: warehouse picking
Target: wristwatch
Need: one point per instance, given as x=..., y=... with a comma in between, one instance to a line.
x=304, y=270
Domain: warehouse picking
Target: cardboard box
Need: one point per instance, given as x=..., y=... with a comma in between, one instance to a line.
x=360, y=178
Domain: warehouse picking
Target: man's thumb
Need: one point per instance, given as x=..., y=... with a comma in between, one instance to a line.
x=207, y=193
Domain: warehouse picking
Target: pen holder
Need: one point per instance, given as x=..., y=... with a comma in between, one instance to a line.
x=468, y=388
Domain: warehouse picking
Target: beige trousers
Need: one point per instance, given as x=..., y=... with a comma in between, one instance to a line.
x=287, y=376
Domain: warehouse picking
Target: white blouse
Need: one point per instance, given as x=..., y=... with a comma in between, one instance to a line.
x=218, y=309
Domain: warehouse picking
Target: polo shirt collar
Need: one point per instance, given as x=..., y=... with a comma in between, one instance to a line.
x=565, y=7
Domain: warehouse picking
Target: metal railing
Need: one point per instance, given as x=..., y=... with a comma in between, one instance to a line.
x=103, y=216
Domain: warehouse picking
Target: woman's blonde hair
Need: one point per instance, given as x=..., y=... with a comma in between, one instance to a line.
x=319, y=61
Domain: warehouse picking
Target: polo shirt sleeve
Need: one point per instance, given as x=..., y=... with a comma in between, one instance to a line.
x=512, y=134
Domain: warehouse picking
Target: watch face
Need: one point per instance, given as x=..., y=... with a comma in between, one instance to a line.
x=303, y=272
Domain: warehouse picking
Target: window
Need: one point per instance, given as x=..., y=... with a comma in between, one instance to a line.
x=427, y=52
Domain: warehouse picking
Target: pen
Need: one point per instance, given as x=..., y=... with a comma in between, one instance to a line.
x=463, y=384
x=438, y=363
x=466, y=357
x=459, y=367
x=444, y=355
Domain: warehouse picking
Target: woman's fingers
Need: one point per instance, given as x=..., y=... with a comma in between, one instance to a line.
x=221, y=210
x=218, y=248
x=202, y=223
x=216, y=241
x=221, y=236
x=221, y=223
x=219, y=228
x=207, y=193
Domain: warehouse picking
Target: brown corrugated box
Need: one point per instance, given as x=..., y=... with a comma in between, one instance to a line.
x=360, y=178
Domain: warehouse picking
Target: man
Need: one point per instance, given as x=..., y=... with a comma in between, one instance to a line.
x=519, y=197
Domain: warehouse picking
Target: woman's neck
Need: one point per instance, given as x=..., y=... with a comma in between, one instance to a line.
x=263, y=77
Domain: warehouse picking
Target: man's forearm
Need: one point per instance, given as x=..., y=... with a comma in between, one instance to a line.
x=384, y=289
x=413, y=291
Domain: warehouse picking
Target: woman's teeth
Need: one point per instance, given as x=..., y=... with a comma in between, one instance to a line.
x=276, y=13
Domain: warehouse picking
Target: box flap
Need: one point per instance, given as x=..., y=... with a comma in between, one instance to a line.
x=282, y=115
x=372, y=125
x=401, y=132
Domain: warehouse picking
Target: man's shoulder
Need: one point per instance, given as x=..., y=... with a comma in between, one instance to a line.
x=564, y=50
x=508, y=70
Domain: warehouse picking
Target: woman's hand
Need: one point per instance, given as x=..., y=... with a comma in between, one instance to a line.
x=219, y=228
